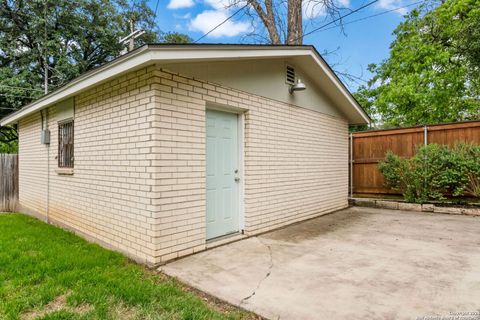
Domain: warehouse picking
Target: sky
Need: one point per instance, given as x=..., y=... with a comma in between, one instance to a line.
x=351, y=51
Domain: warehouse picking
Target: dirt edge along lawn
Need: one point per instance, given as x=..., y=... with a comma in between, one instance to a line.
x=49, y=273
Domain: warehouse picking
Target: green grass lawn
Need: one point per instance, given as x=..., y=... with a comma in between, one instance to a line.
x=48, y=273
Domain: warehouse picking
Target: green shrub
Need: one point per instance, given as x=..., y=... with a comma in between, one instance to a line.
x=396, y=174
x=468, y=163
x=10, y=147
x=430, y=174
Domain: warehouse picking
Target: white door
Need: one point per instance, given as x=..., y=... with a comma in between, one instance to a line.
x=222, y=194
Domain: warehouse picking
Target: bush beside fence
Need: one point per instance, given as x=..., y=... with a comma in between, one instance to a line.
x=369, y=148
x=434, y=172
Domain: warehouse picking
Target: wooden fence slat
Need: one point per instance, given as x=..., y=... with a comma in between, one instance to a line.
x=369, y=148
x=8, y=182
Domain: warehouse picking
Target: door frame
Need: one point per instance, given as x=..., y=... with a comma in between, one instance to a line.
x=240, y=159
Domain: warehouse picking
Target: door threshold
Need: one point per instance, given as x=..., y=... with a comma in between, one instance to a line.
x=228, y=238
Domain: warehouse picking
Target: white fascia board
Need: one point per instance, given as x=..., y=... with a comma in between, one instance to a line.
x=144, y=56
x=180, y=54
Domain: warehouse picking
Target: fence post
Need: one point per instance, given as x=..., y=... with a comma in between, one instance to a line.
x=425, y=135
x=8, y=182
x=351, y=165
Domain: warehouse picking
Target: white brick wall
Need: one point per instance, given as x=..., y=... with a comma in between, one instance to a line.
x=295, y=161
x=109, y=196
x=296, y=165
x=139, y=177
x=32, y=166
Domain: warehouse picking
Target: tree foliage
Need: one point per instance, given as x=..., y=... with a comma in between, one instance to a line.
x=432, y=74
x=174, y=37
x=68, y=37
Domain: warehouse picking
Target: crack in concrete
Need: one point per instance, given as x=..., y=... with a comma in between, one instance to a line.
x=269, y=271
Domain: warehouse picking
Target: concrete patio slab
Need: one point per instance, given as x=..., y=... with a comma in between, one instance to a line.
x=359, y=263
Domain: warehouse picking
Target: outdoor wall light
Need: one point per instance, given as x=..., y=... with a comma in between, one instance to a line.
x=299, y=86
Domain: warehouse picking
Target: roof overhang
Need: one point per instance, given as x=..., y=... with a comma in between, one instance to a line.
x=158, y=53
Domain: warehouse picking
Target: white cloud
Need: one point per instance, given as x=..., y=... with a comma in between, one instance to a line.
x=183, y=16
x=178, y=4
x=209, y=19
x=217, y=4
x=222, y=4
x=314, y=8
x=392, y=4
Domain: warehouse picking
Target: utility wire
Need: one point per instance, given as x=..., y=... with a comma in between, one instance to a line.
x=335, y=20
x=16, y=95
x=321, y=28
x=13, y=87
x=6, y=108
x=156, y=8
x=376, y=15
x=223, y=22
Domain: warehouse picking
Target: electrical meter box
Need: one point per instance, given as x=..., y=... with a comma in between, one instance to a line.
x=45, y=137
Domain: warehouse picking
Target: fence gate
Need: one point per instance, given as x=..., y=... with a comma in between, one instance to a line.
x=8, y=182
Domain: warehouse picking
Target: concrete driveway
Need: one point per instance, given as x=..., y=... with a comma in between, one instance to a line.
x=358, y=263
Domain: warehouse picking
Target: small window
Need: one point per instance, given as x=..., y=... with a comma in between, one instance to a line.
x=65, y=144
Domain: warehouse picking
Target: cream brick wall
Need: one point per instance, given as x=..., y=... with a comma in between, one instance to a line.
x=109, y=197
x=296, y=165
x=32, y=165
x=139, y=179
x=295, y=161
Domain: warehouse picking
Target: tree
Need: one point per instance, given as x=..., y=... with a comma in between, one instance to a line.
x=282, y=20
x=432, y=72
x=469, y=41
x=8, y=140
x=174, y=37
x=63, y=39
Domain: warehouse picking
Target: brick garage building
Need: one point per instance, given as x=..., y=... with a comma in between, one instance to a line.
x=169, y=150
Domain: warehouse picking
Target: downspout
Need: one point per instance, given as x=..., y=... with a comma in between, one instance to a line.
x=48, y=172
x=45, y=127
x=425, y=143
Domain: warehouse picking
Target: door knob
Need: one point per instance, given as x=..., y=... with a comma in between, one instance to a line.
x=237, y=179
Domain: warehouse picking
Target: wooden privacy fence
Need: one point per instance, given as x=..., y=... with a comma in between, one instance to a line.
x=8, y=182
x=368, y=149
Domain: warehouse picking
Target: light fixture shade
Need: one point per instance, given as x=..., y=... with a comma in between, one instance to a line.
x=299, y=86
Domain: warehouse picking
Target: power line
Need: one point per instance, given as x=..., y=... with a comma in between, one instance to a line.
x=321, y=28
x=21, y=88
x=335, y=20
x=223, y=22
x=16, y=95
x=375, y=15
x=156, y=8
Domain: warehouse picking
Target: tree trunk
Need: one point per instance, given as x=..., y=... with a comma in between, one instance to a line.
x=294, y=23
x=268, y=19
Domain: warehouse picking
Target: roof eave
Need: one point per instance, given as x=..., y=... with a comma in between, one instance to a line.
x=339, y=84
x=147, y=54
x=71, y=88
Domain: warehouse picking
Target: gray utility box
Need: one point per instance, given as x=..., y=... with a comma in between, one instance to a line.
x=45, y=138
